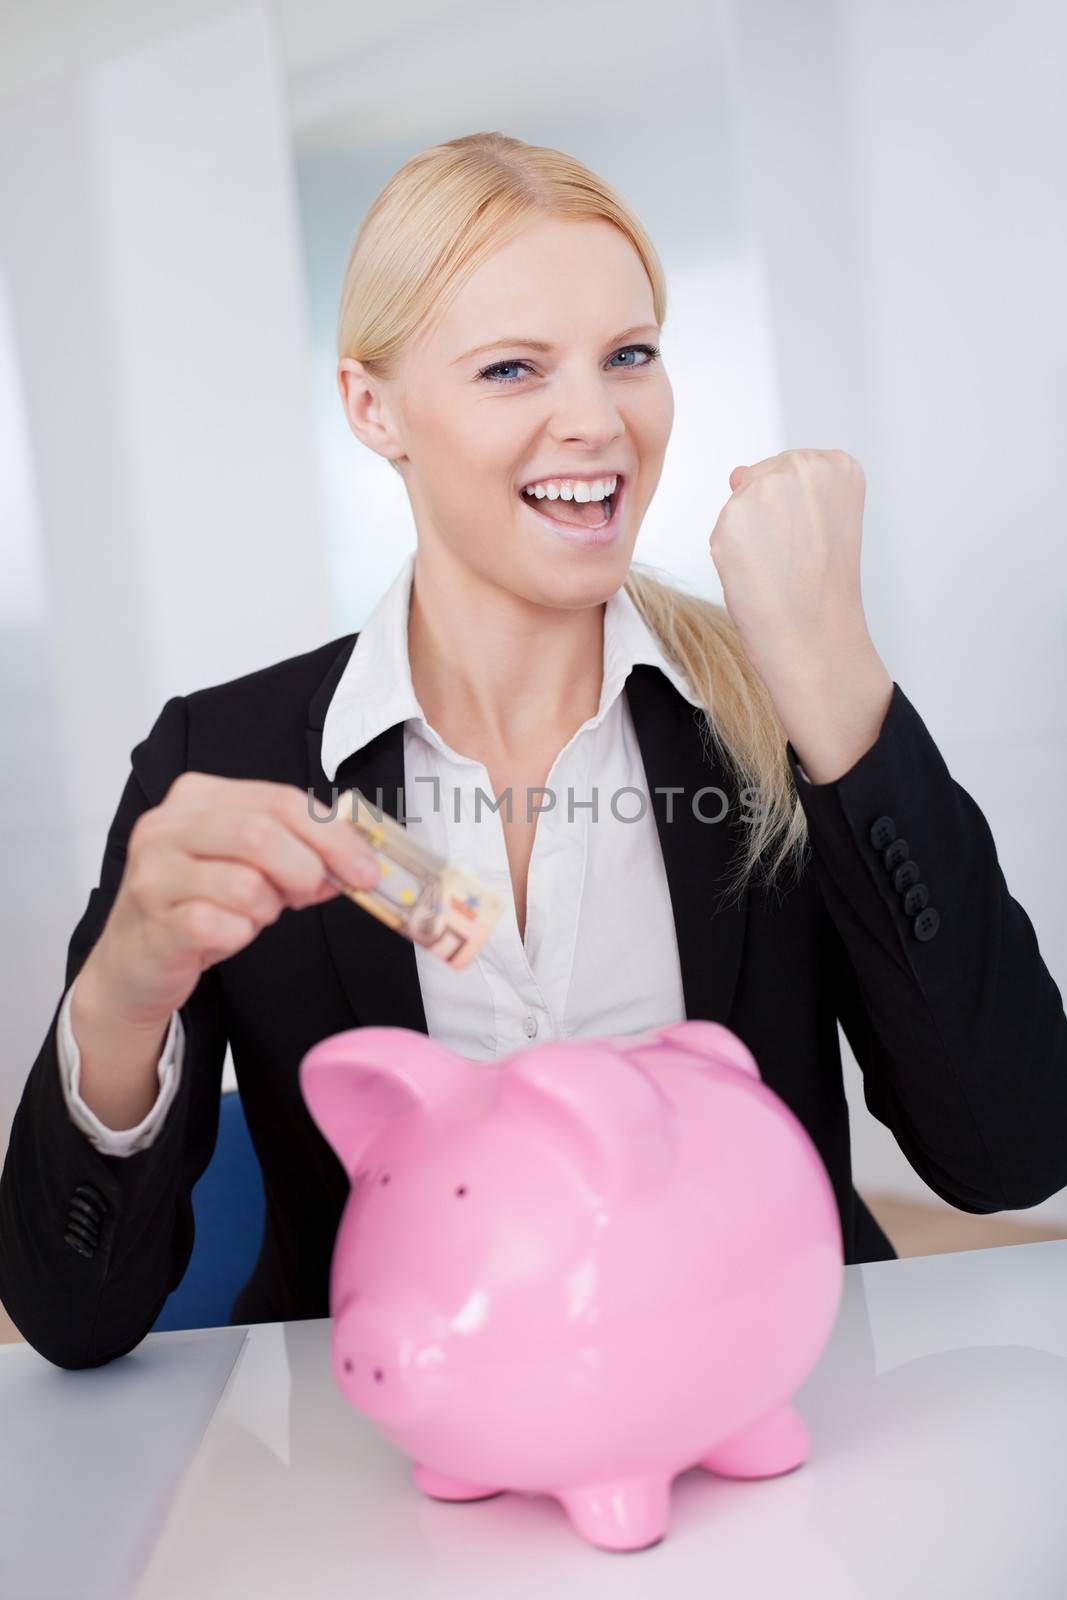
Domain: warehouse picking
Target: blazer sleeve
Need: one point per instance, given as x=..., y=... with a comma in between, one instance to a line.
x=939, y=984
x=92, y=1244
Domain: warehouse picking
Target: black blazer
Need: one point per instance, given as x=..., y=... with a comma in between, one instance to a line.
x=942, y=992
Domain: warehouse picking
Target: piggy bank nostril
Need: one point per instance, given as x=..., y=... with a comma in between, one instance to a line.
x=348, y=1366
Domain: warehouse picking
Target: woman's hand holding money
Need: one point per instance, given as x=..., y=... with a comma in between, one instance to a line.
x=206, y=870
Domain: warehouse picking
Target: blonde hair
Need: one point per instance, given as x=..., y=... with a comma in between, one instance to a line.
x=444, y=212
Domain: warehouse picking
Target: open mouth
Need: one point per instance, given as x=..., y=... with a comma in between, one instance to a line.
x=587, y=522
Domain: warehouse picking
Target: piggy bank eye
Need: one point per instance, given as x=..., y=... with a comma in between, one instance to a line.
x=462, y=1189
x=385, y=1177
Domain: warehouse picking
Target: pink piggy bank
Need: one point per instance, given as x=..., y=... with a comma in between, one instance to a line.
x=578, y=1270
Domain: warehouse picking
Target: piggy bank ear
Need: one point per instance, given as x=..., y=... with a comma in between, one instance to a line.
x=611, y=1116
x=711, y=1039
x=356, y=1082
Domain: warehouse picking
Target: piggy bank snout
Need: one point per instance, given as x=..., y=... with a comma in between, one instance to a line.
x=376, y=1367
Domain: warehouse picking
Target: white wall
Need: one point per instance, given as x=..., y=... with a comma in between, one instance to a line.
x=161, y=481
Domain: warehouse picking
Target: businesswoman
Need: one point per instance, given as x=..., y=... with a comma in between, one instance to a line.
x=776, y=842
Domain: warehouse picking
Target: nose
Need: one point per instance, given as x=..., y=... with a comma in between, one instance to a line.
x=586, y=410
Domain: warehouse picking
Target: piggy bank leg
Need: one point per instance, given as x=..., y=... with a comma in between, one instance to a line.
x=623, y=1514
x=438, y=1487
x=777, y=1443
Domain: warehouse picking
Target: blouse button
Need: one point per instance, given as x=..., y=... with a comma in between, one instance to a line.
x=529, y=1025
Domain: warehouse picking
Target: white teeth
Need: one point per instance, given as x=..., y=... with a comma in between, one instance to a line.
x=572, y=489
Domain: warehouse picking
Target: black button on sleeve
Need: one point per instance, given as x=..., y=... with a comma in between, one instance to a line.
x=916, y=898
x=905, y=875
x=88, y=1235
x=897, y=852
x=84, y=1217
x=883, y=832
x=926, y=924
x=89, y=1192
x=82, y=1208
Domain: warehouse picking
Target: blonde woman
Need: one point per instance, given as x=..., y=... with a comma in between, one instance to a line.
x=776, y=843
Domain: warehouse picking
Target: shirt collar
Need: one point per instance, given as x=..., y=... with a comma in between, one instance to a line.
x=375, y=690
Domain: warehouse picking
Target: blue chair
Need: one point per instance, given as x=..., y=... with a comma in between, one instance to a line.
x=229, y=1209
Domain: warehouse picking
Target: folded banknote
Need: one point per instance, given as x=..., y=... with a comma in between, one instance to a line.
x=430, y=901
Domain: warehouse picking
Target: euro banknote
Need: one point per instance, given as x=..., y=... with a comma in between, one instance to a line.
x=428, y=900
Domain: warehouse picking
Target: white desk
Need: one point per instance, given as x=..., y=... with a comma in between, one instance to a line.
x=938, y=1416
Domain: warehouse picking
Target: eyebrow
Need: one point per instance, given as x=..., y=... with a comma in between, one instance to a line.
x=539, y=344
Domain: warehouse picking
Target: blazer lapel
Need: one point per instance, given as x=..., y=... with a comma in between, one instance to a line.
x=378, y=969
x=376, y=966
x=697, y=855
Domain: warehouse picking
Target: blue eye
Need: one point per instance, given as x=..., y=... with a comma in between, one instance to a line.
x=489, y=374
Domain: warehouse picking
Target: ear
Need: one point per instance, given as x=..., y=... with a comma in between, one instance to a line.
x=711, y=1039
x=615, y=1119
x=356, y=1082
